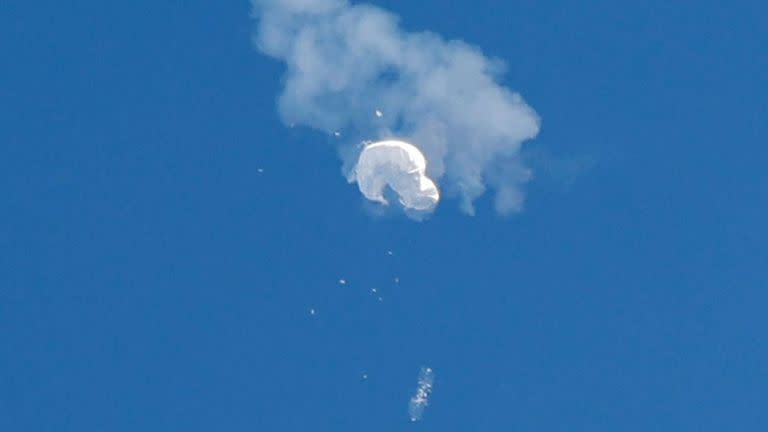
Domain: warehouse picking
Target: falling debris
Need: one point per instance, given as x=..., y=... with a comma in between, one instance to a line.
x=260, y=170
x=379, y=114
x=365, y=376
x=381, y=299
x=342, y=281
x=397, y=280
x=337, y=134
x=373, y=290
x=420, y=399
x=312, y=312
x=389, y=253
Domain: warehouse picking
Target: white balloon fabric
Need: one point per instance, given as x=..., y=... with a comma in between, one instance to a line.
x=402, y=167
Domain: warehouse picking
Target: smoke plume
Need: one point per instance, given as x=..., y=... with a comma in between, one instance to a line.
x=353, y=72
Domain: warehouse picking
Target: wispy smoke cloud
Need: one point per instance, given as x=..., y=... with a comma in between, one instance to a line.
x=346, y=62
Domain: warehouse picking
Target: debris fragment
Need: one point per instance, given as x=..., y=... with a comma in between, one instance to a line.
x=420, y=399
x=379, y=114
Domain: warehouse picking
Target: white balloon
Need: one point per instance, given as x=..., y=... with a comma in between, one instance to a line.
x=402, y=167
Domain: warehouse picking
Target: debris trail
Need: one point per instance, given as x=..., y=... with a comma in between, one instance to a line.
x=420, y=399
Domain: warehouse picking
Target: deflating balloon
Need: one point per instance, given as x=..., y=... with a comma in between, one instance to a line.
x=402, y=167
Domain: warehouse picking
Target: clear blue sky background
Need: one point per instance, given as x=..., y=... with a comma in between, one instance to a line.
x=151, y=279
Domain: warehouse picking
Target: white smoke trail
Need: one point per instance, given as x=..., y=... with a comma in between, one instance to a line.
x=345, y=62
x=420, y=399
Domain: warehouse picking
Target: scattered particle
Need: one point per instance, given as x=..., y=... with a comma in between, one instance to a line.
x=379, y=114
x=373, y=290
x=381, y=299
x=397, y=280
x=389, y=253
x=365, y=376
x=260, y=170
x=342, y=281
x=312, y=312
x=337, y=133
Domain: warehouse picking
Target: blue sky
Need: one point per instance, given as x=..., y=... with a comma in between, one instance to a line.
x=151, y=278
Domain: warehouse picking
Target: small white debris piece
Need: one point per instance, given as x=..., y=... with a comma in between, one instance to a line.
x=389, y=253
x=397, y=280
x=260, y=170
x=342, y=281
x=420, y=399
x=381, y=299
x=312, y=312
x=373, y=290
x=379, y=114
x=337, y=134
x=365, y=376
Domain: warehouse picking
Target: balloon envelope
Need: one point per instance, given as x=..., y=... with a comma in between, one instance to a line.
x=402, y=167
